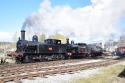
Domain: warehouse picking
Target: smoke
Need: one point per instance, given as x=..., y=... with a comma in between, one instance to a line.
x=93, y=23
x=28, y=23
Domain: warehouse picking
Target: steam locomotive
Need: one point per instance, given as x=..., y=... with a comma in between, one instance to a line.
x=51, y=49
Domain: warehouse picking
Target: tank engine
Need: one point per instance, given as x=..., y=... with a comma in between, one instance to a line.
x=29, y=51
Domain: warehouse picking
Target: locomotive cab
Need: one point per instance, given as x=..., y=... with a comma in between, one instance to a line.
x=53, y=41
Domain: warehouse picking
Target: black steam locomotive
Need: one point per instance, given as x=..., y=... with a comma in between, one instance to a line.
x=51, y=49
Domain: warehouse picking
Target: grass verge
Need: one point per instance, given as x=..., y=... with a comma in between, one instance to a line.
x=107, y=75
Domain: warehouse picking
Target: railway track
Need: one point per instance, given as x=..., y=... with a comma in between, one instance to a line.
x=28, y=71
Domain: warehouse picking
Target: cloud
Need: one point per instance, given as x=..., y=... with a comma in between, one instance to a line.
x=95, y=22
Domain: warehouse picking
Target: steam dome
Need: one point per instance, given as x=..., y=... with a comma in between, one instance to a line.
x=35, y=38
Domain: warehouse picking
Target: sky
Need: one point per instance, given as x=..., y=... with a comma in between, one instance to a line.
x=15, y=12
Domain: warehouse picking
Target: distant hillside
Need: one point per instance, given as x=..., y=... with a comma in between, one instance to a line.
x=7, y=46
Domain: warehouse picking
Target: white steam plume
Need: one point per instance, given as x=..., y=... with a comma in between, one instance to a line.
x=95, y=22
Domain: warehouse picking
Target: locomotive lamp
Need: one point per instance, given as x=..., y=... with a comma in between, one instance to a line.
x=50, y=48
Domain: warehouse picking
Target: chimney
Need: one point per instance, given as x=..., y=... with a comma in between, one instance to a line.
x=22, y=34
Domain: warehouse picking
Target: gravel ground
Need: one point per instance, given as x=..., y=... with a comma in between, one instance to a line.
x=81, y=62
x=66, y=78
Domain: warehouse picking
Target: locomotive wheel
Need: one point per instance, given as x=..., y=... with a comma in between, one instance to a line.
x=27, y=59
x=48, y=57
x=56, y=57
x=18, y=61
x=62, y=57
x=53, y=57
